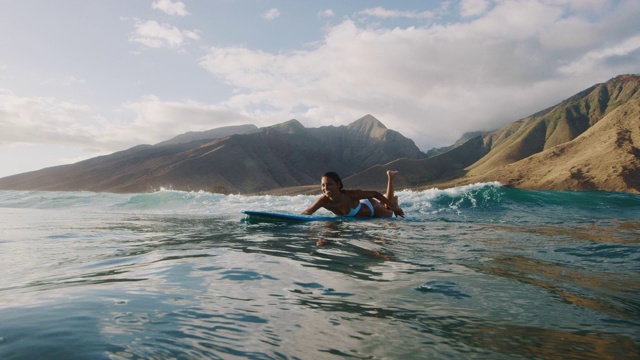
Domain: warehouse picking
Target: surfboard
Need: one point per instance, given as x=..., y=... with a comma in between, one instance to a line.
x=265, y=216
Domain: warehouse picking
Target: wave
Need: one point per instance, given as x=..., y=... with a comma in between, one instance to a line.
x=483, y=197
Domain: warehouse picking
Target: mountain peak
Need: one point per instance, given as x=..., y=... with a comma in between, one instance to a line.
x=290, y=127
x=369, y=126
x=209, y=134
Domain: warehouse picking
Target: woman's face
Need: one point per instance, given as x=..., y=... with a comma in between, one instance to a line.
x=330, y=188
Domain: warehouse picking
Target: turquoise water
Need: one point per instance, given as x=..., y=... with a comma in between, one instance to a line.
x=478, y=272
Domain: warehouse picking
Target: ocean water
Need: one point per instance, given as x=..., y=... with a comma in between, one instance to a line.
x=476, y=272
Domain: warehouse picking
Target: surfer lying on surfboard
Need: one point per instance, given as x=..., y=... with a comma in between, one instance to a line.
x=355, y=203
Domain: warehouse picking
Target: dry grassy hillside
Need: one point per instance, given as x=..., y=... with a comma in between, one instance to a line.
x=557, y=125
x=605, y=157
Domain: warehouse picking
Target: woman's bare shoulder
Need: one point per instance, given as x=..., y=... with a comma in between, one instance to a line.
x=358, y=194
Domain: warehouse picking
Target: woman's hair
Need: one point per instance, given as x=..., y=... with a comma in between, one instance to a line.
x=335, y=177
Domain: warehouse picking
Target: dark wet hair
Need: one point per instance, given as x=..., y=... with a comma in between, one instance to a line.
x=335, y=177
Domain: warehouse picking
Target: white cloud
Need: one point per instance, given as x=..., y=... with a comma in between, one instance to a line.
x=72, y=80
x=5, y=74
x=326, y=13
x=627, y=51
x=271, y=14
x=171, y=8
x=161, y=120
x=156, y=35
x=381, y=12
x=432, y=83
x=53, y=121
x=471, y=8
x=43, y=120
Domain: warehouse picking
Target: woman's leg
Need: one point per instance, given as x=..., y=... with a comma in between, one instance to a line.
x=382, y=210
x=390, y=195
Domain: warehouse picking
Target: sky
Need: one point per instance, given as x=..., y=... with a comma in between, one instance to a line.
x=83, y=78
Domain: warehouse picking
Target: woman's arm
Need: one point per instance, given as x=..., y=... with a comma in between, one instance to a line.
x=315, y=206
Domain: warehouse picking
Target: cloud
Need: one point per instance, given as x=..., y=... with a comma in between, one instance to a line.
x=5, y=74
x=627, y=51
x=381, y=12
x=72, y=80
x=435, y=82
x=171, y=8
x=53, y=121
x=33, y=120
x=326, y=13
x=471, y=8
x=161, y=120
x=432, y=82
x=156, y=35
x=271, y=14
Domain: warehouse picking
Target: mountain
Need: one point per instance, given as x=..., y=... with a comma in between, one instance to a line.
x=422, y=172
x=586, y=142
x=209, y=134
x=282, y=155
x=557, y=125
x=465, y=137
x=589, y=141
x=605, y=157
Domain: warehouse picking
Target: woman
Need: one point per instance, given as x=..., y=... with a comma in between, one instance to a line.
x=355, y=203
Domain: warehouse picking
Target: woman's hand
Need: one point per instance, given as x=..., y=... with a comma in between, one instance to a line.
x=398, y=211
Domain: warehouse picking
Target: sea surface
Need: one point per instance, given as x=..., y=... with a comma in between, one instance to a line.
x=475, y=272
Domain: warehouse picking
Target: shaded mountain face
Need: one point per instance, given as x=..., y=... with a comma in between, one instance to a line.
x=420, y=172
x=282, y=155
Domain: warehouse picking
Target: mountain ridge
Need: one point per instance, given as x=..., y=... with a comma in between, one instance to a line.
x=209, y=134
x=534, y=153
x=556, y=125
x=281, y=155
x=605, y=157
